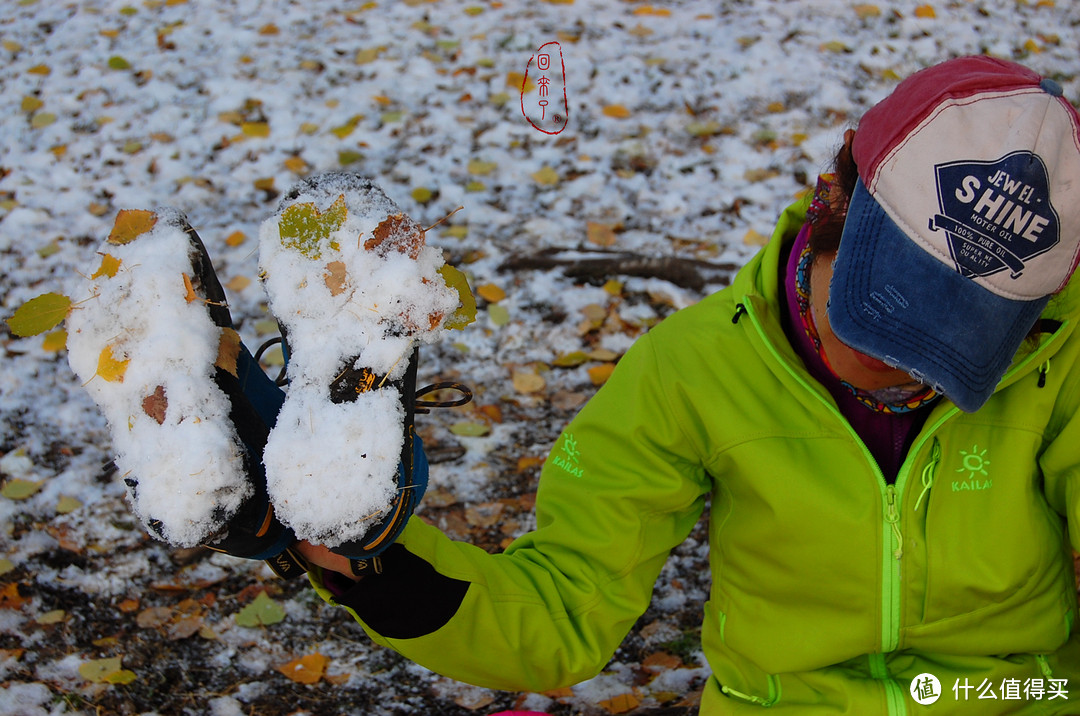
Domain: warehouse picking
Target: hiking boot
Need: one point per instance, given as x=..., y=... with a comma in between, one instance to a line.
x=188, y=408
x=356, y=291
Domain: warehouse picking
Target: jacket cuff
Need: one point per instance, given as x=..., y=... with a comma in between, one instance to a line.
x=408, y=599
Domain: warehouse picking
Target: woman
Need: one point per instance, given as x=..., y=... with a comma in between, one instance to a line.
x=882, y=407
x=887, y=434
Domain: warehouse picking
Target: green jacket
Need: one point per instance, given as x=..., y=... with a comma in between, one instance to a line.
x=831, y=590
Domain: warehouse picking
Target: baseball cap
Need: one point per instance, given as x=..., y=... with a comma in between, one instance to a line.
x=964, y=221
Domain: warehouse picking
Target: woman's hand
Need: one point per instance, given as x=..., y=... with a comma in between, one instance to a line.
x=323, y=557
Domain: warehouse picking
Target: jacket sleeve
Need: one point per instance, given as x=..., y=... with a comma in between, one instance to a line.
x=621, y=487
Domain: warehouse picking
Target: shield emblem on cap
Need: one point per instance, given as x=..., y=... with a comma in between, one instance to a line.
x=997, y=215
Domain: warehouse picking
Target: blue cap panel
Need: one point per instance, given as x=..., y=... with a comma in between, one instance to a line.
x=892, y=300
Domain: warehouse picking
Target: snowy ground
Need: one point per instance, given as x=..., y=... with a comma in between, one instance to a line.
x=690, y=125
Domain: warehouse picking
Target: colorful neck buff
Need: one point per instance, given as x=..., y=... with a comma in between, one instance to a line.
x=887, y=400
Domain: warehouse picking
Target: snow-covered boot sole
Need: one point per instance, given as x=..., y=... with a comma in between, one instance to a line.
x=356, y=289
x=155, y=347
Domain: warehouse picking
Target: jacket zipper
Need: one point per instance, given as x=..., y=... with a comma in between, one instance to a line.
x=893, y=541
x=891, y=496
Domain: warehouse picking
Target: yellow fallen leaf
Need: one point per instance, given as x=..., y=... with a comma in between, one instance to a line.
x=371, y=54
x=255, y=129
x=617, y=111
x=67, y=504
x=517, y=81
x=466, y=310
x=348, y=128
x=10, y=597
x=31, y=104
x=762, y=174
x=305, y=670
x=528, y=382
x=39, y=70
x=189, y=289
x=335, y=277
x=123, y=676
x=19, y=489
x=238, y=283
x=546, y=176
x=39, y=314
x=296, y=165
x=570, y=360
x=269, y=29
x=232, y=117
x=303, y=226
x=470, y=429
x=110, y=368
x=235, y=238
x=621, y=704
x=528, y=463
x=599, y=374
x=925, y=11
x=654, y=11
x=480, y=168
x=595, y=313
x=661, y=661
x=51, y=617
x=130, y=224
x=228, y=351
x=40, y=120
x=108, y=671
x=109, y=266
x=754, y=238
x=55, y=341
x=498, y=314
x=866, y=10
x=490, y=292
x=600, y=234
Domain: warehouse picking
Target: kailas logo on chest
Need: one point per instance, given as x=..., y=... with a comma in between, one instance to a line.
x=973, y=472
x=997, y=215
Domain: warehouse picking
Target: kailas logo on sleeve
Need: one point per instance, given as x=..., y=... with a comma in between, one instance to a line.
x=997, y=215
x=569, y=459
